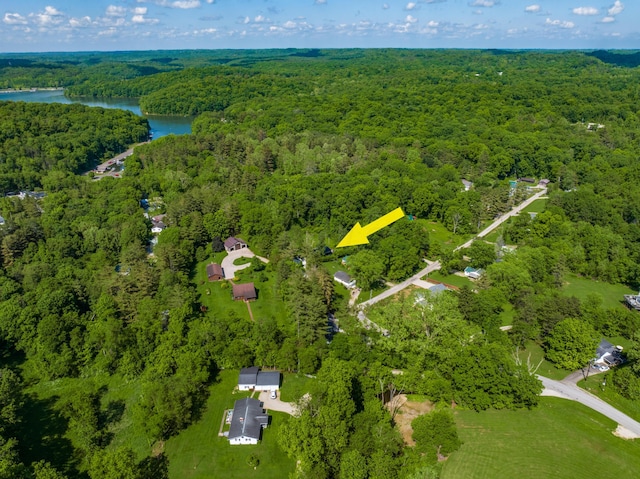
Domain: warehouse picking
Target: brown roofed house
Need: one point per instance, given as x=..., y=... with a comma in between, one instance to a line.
x=234, y=244
x=244, y=292
x=214, y=272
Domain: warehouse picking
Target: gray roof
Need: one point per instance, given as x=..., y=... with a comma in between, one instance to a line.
x=268, y=378
x=604, y=347
x=342, y=276
x=248, y=375
x=437, y=288
x=248, y=419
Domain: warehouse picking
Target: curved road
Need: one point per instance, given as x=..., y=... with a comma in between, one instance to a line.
x=571, y=391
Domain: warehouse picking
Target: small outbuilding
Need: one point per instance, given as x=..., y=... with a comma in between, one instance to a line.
x=344, y=279
x=473, y=273
x=247, y=379
x=234, y=244
x=214, y=272
x=247, y=422
x=244, y=292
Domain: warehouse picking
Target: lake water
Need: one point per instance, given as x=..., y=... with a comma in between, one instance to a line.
x=160, y=125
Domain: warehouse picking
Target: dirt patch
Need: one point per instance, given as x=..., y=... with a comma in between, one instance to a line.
x=157, y=449
x=407, y=412
x=624, y=433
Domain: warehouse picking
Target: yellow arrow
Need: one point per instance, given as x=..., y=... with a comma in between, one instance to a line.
x=358, y=234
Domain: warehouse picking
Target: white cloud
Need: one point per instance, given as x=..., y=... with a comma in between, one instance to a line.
x=585, y=11
x=432, y=24
x=185, y=4
x=483, y=3
x=532, y=8
x=259, y=19
x=560, y=23
x=608, y=19
x=211, y=1
x=616, y=8
x=14, y=19
x=289, y=24
x=115, y=11
x=138, y=19
x=385, y=6
x=410, y=19
x=140, y=11
x=411, y=6
x=52, y=11
x=80, y=22
x=320, y=2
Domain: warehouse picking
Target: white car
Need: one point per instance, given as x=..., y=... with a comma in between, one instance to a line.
x=273, y=395
x=603, y=367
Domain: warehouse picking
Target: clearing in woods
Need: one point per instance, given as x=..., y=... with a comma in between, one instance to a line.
x=407, y=411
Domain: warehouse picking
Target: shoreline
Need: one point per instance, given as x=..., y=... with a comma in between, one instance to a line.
x=27, y=90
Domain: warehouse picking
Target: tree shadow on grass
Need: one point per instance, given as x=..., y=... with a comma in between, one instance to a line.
x=41, y=436
x=156, y=467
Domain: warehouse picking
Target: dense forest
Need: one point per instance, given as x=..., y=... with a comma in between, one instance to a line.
x=290, y=149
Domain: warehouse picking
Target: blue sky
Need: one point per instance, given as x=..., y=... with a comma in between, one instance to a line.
x=77, y=25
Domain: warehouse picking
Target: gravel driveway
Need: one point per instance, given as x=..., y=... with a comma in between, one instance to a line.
x=276, y=404
x=230, y=269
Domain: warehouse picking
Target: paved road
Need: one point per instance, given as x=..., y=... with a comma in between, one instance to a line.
x=568, y=390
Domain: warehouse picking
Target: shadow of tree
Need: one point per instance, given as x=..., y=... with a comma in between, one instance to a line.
x=154, y=467
x=41, y=436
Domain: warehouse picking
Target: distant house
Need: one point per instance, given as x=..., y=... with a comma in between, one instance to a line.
x=344, y=279
x=473, y=273
x=543, y=183
x=234, y=244
x=527, y=180
x=214, y=272
x=253, y=378
x=434, y=290
x=632, y=301
x=326, y=251
x=2, y=221
x=467, y=184
x=608, y=354
x=244, y=292
x=157, y=223
x=247, y=422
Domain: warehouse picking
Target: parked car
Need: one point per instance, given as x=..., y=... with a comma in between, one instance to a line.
x=274, y=395
x=603, y=367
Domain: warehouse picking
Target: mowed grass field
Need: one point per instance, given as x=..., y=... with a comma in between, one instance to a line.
x=198, y=451
x=558, y=439
x=612, y=294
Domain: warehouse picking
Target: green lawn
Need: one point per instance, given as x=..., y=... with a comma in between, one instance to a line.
x=612, y=294
x=507, y=314
x=547, y=368
x=558, y=439
x=219, y=300
x=538, y=206
x=438, y=233
x=452, y=279
x=594, y=385
x=198, y=451
x=294, y=386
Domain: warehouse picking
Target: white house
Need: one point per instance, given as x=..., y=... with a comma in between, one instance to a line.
x=344, y=279
x=254, y=379
x=247, y=422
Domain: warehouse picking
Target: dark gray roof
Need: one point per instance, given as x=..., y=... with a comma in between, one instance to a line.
x=342, y=276
x=268, y=378
x=248, y=375
x=604, y=347
x=248, y=419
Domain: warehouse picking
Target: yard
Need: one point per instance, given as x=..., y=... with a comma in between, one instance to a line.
x=439, y=234
x=612, y=294
x=536, y=353
x=559, y=438
x=452, y=279
x=198, y=451
x=594, y=385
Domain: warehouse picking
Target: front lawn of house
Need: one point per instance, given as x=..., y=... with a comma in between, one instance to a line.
x=612, y=294
x=198, y=451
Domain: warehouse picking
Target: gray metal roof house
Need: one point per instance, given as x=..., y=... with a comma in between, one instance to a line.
x=247, y=422
x=253, y=378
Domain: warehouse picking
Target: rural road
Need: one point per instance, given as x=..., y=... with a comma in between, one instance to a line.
x=568, y=390
x=436, y=264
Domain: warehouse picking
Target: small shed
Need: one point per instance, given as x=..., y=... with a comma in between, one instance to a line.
x=214, y=272
x=234, y=244
x=244, y=292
